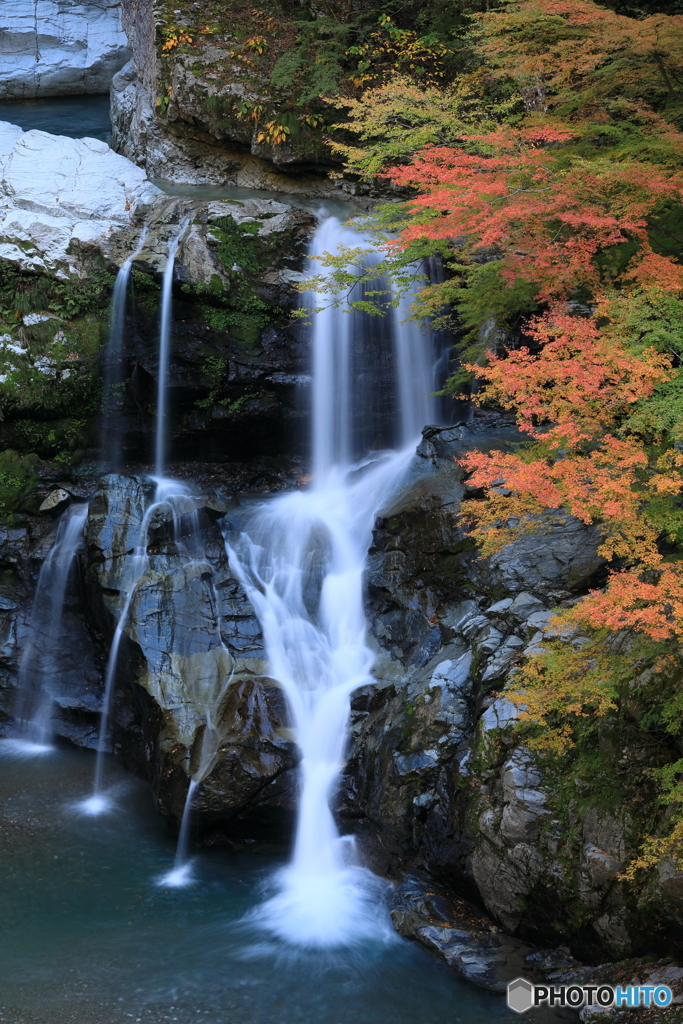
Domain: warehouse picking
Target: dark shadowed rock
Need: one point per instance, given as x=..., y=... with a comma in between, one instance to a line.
x=194, y=699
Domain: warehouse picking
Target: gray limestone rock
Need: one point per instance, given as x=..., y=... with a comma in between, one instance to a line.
x=59, y=47
x=193, y=698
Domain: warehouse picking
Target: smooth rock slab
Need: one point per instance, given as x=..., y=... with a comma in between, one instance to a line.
x=456, y=933
x=59, y=47
x=62, y=198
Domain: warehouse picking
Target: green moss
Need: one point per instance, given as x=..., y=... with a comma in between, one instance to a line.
x=18, y=477
x=22, y=293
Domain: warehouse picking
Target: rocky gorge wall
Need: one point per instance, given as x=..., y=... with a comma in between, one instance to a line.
x=177, y=114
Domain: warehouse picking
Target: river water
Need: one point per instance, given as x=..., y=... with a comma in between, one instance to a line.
x=76, y=116
x=87, y=936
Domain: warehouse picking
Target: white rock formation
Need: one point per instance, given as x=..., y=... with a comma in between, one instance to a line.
x=61, y=198
x=59, y=47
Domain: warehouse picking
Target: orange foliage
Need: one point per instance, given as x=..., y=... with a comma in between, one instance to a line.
x=512, y=193
x=581, y=383
x=580, y=380
x=566, y=47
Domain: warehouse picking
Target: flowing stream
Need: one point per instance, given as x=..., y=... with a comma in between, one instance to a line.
x=166, y=491
x=39, y=663
x=113, y=363
x=301, y=562
x=161, y=442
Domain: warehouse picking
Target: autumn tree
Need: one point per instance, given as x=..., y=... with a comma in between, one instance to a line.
x=549, y=177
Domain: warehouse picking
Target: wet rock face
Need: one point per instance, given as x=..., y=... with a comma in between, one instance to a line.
x=437, y=779
x=193, y=697
x=71, y=664
x=59, y=47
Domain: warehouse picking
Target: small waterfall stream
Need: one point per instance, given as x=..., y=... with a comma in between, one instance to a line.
x=113, y=363
x=166, y=491
x=301, y=562
x=39, y=663
x=161, y=440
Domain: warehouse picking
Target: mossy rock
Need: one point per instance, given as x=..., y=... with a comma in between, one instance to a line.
x=18, y=477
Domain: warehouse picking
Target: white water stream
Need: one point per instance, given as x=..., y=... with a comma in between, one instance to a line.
x=301, y=562
x=161, y=442
x=113, y=363
x=40, y=658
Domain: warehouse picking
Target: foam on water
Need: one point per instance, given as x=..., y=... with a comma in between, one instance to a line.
x=178, y=878
x=301, y=561
x=17, y=749
x=93, y=806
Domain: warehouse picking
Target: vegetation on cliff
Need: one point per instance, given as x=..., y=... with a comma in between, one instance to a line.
x=51, y=331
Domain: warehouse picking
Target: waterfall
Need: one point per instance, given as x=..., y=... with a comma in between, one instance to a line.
x=39, y=664
x=160, y=446
x=180, y=875
x=98, y=802
x=372, y=374
x=301, y=562
x=113, y=363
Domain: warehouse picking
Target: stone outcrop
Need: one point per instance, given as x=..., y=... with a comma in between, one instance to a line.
x=62, y=199
x=188, y=130
x=59, y=47
x=188, y=153
x=194, y=698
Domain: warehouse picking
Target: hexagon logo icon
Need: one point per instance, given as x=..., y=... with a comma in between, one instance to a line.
x=520, y=995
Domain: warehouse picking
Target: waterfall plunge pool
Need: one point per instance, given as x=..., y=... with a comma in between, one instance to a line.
x=88, y=937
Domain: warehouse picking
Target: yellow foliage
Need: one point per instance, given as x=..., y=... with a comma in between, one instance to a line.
x=177, y=38
x=273, y=133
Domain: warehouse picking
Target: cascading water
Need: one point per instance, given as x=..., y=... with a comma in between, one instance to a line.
x=302, y=563
x=113, y=363
x=40, y=659
x=372, y=374
x=165, y=490
x=160, y=445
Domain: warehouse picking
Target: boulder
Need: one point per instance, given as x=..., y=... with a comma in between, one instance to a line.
x=59, y=47
x=193, y=698
x=62, y=199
